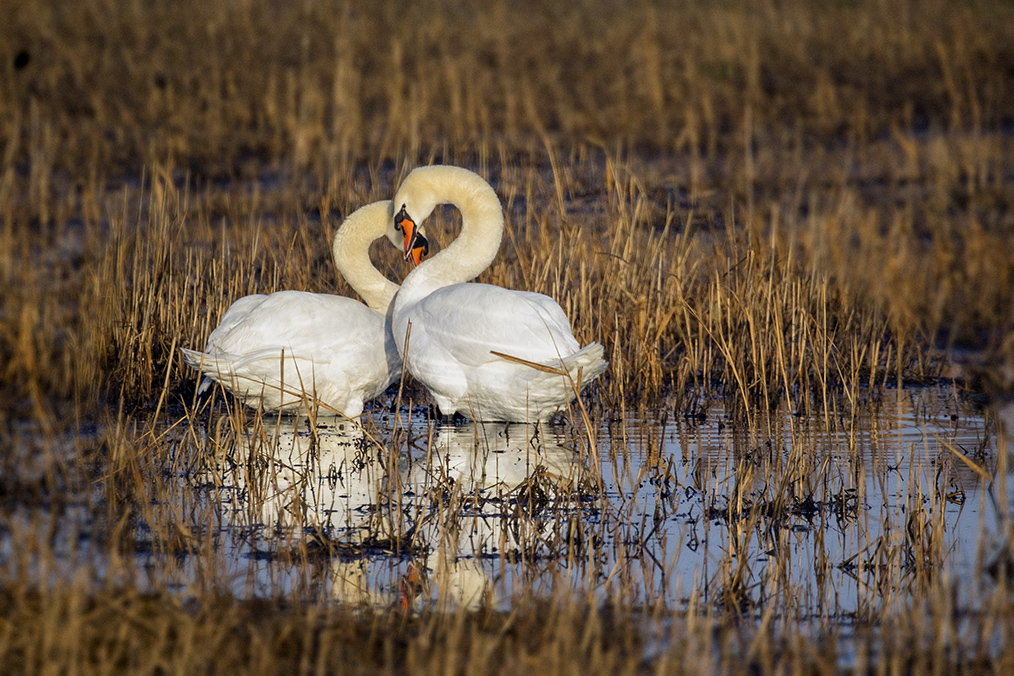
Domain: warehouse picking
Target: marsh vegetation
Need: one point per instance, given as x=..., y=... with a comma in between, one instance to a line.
x=789, y=224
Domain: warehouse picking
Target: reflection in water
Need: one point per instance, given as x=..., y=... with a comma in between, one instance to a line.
x=432, y=522
x=489, y=487
x=288, y=490
x=284, y=475
x=812, y=518
x=831, y=516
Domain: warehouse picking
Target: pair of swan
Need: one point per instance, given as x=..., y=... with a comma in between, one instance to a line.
x=484, y=352
x=281, y=350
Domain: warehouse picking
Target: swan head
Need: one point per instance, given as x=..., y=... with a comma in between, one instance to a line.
x=366, y=224
x=410, y=239
x=426, y=187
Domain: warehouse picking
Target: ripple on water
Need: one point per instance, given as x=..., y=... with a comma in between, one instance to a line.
x=825, y=520
x=824, y=517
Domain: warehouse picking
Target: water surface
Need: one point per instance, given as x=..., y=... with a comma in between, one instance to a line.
x=801, y=517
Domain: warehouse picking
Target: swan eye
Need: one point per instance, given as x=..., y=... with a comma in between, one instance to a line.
x=400, y=217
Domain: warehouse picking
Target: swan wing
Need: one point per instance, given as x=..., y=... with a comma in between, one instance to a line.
x=333, y=347
x=240, y=310
x=284, y=318
x=472, y=321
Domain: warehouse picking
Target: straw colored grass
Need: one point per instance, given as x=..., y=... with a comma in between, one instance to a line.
x=784, y=208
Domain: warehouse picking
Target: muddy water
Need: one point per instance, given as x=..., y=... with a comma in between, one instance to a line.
x=830, y=517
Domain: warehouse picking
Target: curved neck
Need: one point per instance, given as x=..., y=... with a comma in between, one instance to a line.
x=481, y=226
x=351, y=251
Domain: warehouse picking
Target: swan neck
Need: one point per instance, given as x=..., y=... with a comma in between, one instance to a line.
x=351, y=250
x=479, y=240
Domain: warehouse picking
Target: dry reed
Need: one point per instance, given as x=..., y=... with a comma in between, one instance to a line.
x=787, y=208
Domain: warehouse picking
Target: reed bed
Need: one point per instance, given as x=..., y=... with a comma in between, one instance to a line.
x=785, y=210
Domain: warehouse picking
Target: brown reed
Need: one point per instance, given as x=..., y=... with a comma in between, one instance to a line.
x=784, y=207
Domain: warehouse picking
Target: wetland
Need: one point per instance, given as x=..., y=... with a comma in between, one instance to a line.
x=788, y=224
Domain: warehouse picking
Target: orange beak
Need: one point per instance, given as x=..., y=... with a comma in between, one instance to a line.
x=416, y=245
x=421, y=249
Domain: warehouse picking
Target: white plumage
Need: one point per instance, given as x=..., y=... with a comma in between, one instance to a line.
x=460, y=332
x=290, y=348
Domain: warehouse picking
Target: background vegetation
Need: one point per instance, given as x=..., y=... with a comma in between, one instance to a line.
x=782, y=204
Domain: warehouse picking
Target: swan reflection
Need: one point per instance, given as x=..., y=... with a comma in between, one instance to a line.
x=487, y=486
x=448, y=516
x=499, y=457
x=284, y=475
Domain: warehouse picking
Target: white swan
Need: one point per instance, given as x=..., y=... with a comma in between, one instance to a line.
x=459, y=330
x=289, y=348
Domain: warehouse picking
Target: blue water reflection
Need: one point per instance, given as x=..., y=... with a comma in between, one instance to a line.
x=826, y=517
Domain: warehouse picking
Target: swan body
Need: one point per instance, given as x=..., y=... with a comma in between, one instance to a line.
x=283, y=350
x=460, y=331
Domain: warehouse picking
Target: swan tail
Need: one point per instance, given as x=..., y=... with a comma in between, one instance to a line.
x=263, y=367
x=194, y=359
x=229, y=369
x=589, y=360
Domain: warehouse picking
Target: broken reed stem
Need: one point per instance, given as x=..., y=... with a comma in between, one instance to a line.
x=869, y=238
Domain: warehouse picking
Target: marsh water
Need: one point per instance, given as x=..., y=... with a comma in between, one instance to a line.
x=805, y=518
x=826, y=517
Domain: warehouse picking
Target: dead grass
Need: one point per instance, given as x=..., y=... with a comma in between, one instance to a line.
x=849, y=164
x=782, y=206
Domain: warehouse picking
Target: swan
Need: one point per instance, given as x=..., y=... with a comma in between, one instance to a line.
x=468, y=341
x=282, y=350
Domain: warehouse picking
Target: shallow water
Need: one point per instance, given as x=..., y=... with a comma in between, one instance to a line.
x=804, y=519
x=801, y=518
